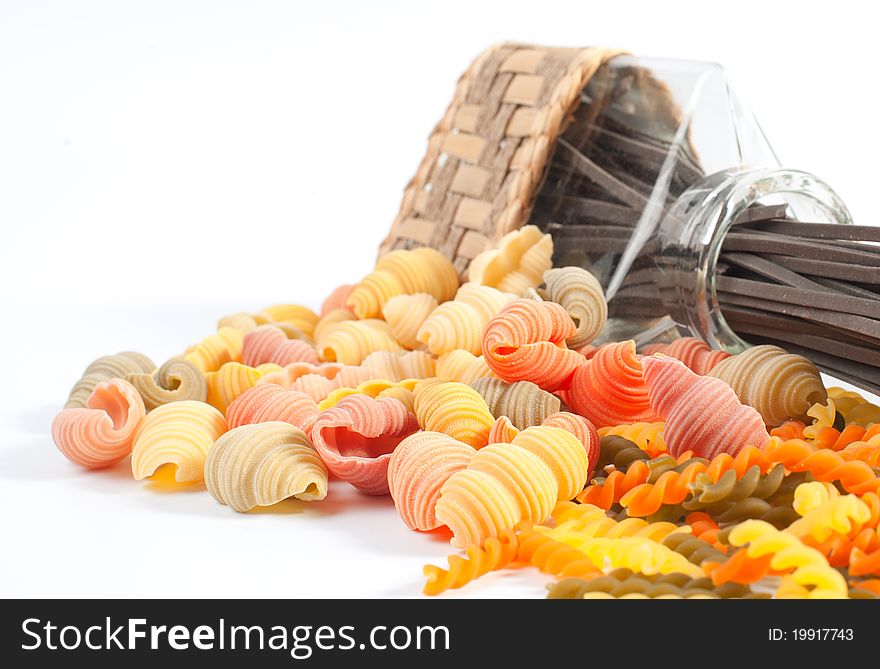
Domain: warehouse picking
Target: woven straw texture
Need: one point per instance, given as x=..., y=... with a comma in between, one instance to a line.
x=486, y=158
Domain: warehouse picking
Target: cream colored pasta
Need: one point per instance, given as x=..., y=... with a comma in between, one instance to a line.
x=463, y=366
x=397, y=365
x=405, y=314
x=459, y=323
x=262, y=464
x=580, y=294
x=517, y=264
x=524, y=403
x=103, y=369
x=174, y=381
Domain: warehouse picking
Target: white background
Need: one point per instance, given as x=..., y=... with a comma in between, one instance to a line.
x=163, y=163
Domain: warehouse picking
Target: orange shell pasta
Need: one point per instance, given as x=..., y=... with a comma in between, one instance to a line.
x=268, y=343
x=701, y=413
x=503, y=431
x=526, y=342
x=270, y=402
x=103, y=369
x=404, y=272
x=351, y=342
x=453, y=409
x=356, y=437
x=417, y=470
x=609, y=389
x=503, y=485
x=260, y=465
x=459, y=323
x=696, y=354
x=463, y=366
x=217, y=349
x=397, y=365
x=405, y=314
x=100, y=434
x=517, y=264
x=178, y=434
x=776, y=383
x=337, y=299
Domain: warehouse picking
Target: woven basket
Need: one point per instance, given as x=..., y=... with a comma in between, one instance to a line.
x=487, y=156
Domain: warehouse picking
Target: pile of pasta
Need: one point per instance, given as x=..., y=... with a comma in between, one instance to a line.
x=489, y=410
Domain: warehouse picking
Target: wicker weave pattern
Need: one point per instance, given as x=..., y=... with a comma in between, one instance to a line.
x=487, y=155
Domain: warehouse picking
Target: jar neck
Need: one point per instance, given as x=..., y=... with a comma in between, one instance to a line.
x=692, y=232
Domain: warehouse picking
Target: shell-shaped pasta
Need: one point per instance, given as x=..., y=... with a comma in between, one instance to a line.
x=454, y=409
x=101, y=433
x=503, y=484
x=404, y=272
x=216, y=349
x=526, y=342
x=268, y=343
x=260, y=465
x=269, y=402
x=610, y=388
x=397, y=366
x=459, y=323
x=524, y=403
x=562, y=452
x=581, y=428
x=417, y=470
x=356, y=437
x=336, y=299
x=405, y=314
x=174, y=381
x=580, y=294
x=300, y=317
x=330, y=319
x=374, y=388
x=246, y=322
x=701, y=413
x=503, y=431
x=352, y=341
x=517, y=264
x=778, y=384
x=318, y=381
x=103, y=369
x=463, y=366
x=231, y=380
x=178, y=434
x=696, y=354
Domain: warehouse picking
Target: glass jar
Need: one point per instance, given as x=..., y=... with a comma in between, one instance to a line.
x=658, y=162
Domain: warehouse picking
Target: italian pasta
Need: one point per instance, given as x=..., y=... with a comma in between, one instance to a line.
x=397, y=365
x=262, y=464
x=101, y=433
x=351, y=342
x=454, y=409
x=696, y=354
x=176, y=435
x=231, y=380
x=176, y=380
x=405, y=315
x=103, y=369
x=580, y=294
x=459, y=323
x=524, y=403
x=517, y=264
x=268, y=403
x=330, y=319
x=269, y=344
x=526, y=342
x=401, y=390
x=463, y=366
x=336, y=299
x=300, y=317
x=216, y=349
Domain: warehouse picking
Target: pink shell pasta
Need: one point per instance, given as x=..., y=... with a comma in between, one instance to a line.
x=336, y=299
x=269, y=402
x=269, y=344
x=701, y=413
x=318, y=381
x=418, y=468
x=610, y=388
x=355, y=439
x=696, y=354
x=100, y=434
x=526, y=342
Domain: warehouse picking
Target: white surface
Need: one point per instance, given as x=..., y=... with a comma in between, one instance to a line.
x=229, y=155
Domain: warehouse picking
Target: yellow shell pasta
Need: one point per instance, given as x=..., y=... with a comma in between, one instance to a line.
x=517, y=264
x=459, y=323
x=374, y=388
x=405, y=315
x=454, y=409
x=300, y=317
x=262, y=464
x=562, y=452
x=216, y=349
x=331, y=318
x=178, y=434
x=462, y=366
x=174, y=381
x=580, y=294
x=404, y=272
x=246, y=322
x=231, y=380
x=352, y=341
